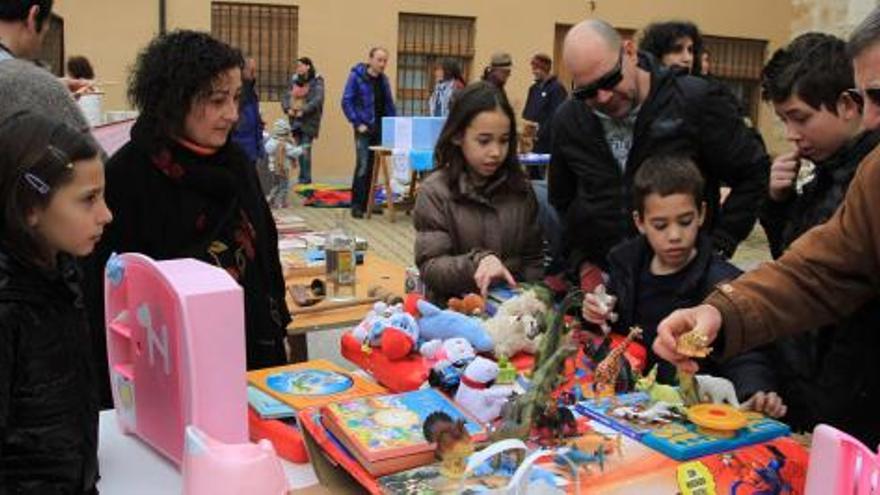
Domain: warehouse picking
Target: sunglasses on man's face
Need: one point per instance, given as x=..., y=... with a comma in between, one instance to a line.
x=860, y=96
x=605, y=83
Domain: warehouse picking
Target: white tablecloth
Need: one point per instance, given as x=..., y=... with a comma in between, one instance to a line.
x=130, y=467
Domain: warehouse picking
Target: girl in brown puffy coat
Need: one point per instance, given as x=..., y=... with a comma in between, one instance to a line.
x=476, y=215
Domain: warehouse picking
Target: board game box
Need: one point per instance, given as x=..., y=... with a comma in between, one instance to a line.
x=678, y=438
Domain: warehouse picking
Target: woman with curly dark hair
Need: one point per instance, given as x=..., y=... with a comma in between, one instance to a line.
x=180, y=188
x=675, y=44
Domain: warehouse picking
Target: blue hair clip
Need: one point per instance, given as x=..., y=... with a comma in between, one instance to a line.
x=37, y=183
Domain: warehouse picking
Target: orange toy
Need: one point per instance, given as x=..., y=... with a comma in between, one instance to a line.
x=471, y=305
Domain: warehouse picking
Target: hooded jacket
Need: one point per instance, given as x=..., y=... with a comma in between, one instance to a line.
x=358, y=100
x=681, y=114
x=48, y=406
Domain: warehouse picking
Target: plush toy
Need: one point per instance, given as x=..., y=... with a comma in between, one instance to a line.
x=517, y=324
x=389, y=328
x=448, y=360
x=471, y=304
x=445, y=324
x=476, y=392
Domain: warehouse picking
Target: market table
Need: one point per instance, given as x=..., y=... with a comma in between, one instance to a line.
x=130, y=467
x=375, y=271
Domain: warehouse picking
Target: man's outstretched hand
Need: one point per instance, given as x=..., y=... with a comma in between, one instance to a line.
x=704, y=317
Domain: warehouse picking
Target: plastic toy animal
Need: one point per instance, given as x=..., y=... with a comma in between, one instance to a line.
x=658, y=392
x=580, y=458
x=554, y=423
x=605, y=376
x=768, y=478
x=659, y=412
x=454, y=444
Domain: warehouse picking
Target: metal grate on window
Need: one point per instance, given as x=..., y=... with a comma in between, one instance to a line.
x=268, y=33
x=738, y=62
x=423, y=42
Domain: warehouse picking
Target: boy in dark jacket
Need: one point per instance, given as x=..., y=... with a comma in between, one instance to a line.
x=671, y=266
x=823, y=374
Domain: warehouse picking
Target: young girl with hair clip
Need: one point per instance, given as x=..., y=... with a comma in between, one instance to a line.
x=476, y=216
x=52, y=185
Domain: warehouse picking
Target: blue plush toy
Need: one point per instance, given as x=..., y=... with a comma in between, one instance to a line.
x=445, y=324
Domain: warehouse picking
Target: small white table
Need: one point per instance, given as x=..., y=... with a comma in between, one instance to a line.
x=130, y=467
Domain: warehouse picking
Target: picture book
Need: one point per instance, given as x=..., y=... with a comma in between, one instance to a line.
x=333, y=463
x=311, y=384
x=266, y=406
x=385, y=432
x=678, y=438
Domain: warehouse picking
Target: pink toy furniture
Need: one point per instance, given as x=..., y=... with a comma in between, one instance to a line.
x=176, y=346
x=841, y=465
x=211, y=467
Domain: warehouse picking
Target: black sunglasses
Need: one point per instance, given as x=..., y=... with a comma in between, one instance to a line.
x=858, y=96
x=606, y=82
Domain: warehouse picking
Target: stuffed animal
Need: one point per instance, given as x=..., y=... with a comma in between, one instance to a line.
x=449, y=358
x=476, y=392
x=389, y=328
x=471, y=305
x=517, y=324
x=445, y=324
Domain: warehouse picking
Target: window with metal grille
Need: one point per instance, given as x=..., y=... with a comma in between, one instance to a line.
x=52, y=51
x=737, y=62
x=423, y=41
x=268, y=33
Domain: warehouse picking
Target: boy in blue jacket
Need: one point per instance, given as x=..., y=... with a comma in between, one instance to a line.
x=672, y=265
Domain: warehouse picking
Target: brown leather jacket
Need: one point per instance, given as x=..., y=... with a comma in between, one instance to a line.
x=457, y=227
x=826, y=274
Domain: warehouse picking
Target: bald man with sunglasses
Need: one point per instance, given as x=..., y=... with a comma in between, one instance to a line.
x=625, y=107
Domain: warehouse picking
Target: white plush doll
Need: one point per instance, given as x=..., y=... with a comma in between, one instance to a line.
x=476, y=392
x=517, y=324
x=447, y=352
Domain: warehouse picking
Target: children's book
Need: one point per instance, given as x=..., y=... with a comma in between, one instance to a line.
x=266, y=406
x=385, y=432
x=311, y=384
x=678, y=438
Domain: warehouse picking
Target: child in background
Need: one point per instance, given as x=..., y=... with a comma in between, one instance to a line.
x=52, y=185
x=283, y=153
x=672, y=265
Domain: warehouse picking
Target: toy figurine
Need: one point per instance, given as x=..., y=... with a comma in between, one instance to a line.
x=580, y=458
x=659, y=412
x=694, y=344
x=605, y=376
x=657, y=391
x=506, y=372
x=606, y=303
x=454, y=444
x=555, y=423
